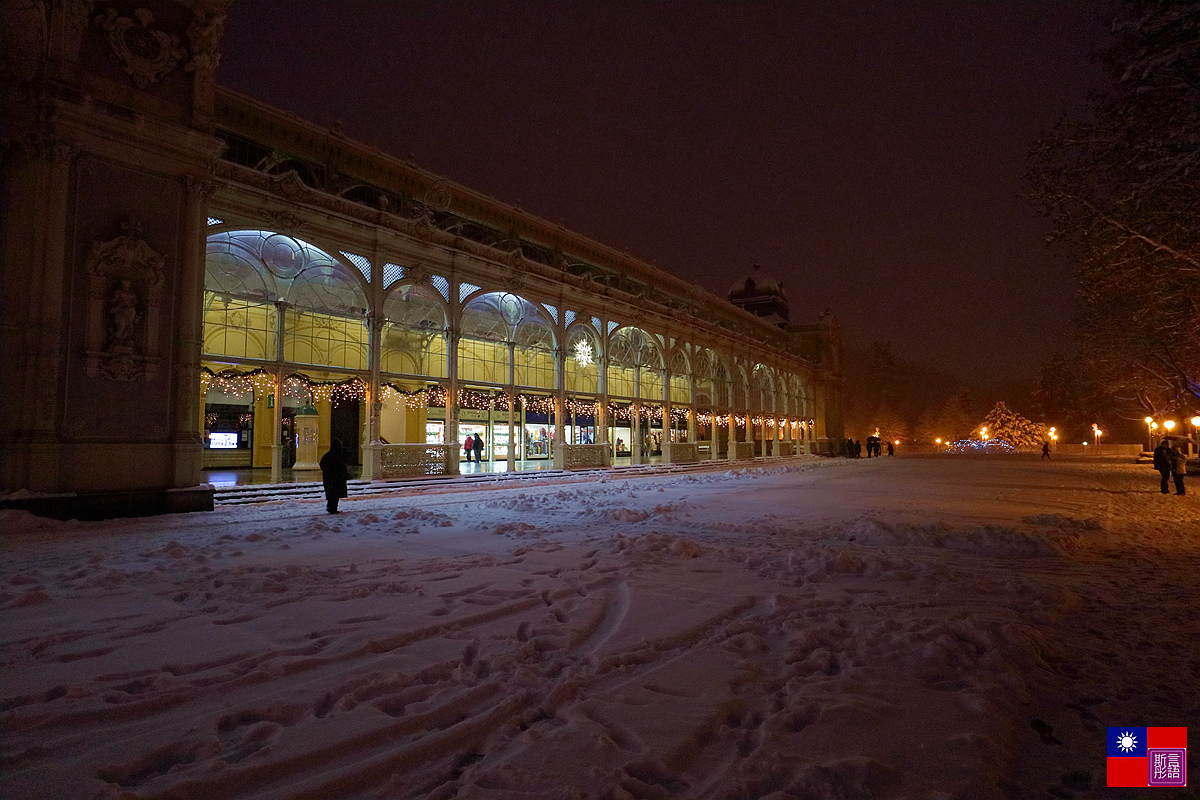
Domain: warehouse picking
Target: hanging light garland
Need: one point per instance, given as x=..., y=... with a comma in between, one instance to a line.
x=236, y=384
x=538, y=404
x=583, y=408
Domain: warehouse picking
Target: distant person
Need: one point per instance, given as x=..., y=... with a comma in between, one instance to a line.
x=857, y=449
x=478, y=448
x=849, y=447
x=1178, y=467
x=1045, y=450
x=891, y=450
x=1162, y=462
x=468, y=446
x=334, y=475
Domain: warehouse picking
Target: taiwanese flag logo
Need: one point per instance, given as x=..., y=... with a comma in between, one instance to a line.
x=1147, y=756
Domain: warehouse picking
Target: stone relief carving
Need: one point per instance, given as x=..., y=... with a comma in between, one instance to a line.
x=125, y=280
x=204, y=36
x=514, y=284
x=284, y=221
x=417, y=273
x=146, y=53
x=123, y=308
x=289, y=184
x=438, y=196
x=78, y=12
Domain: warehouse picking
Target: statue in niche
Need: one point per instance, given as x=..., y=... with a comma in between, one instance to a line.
x=123, y=306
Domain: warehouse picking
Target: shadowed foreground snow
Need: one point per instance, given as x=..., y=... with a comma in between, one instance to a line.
x=893, y=628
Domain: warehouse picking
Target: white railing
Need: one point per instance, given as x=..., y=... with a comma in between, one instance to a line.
x=415, y=460
x=584, y=456
x=744, y=450
x=685, y=452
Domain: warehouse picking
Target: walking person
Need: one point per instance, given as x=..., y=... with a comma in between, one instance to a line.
x=468, y=447
x=477, y=446
x=1046, y=450
x=1162, y=462
x=891, y=449
x=1178, y=467
x=334, y=475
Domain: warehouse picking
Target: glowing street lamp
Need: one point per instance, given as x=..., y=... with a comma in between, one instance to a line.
x=1096, y=434
x=1053, y=435
x=1169, y=425
x=1150, y=426
x=983, y=433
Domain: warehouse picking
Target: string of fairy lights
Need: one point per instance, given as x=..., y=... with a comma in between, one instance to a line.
x=306, y=389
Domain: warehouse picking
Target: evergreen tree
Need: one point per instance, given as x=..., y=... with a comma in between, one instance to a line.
x=1008, y=426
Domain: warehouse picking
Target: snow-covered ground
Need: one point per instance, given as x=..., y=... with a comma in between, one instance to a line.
x=941, y=627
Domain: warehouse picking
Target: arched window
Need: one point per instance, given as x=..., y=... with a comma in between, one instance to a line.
x=635, y=365
x=681, y=380
x=413, y=338
x=739, y=389
x=761, y=390
x=582, y=359
x=247, y=272
x=492, y=321
x=720, y=382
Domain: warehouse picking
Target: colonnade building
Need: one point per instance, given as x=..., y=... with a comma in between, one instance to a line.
x=193, y=280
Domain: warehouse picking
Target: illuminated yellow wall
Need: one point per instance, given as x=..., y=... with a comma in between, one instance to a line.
x=482, y=361
x=681, y=391
x=238, y=328
x=398, y=424
x=412, y=352
x=582, y=379
x=534, y=367
x=312, y=338
x=621, y=381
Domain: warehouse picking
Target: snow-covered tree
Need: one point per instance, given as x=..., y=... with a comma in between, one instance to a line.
x=1123, y=189
x=1008, y=426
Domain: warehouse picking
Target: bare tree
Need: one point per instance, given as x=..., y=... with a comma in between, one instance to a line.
x=1123, y=190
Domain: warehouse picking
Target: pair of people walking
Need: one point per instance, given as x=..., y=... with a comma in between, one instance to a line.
x=473, y=445
x=1171, y=462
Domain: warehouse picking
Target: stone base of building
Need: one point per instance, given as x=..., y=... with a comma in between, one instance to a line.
x=109, y=505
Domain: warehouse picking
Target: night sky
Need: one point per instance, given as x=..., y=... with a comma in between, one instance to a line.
x=870, y=155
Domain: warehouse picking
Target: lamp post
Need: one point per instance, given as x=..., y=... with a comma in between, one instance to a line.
x=1150, y=426
x=1196, y=430
x=1096, y=434
x=983, y=433
x=1053, y=436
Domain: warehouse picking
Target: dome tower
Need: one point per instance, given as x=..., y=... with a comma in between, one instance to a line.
x=762, y=296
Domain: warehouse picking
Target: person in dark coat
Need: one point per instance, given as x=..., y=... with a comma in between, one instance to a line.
x=1162, y=462
x=891, y=450
x=1178, y=467
x=1045, y=450
x=478, y=448
x=334, y=475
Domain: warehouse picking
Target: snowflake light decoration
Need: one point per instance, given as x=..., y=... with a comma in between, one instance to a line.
x=582, y=353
